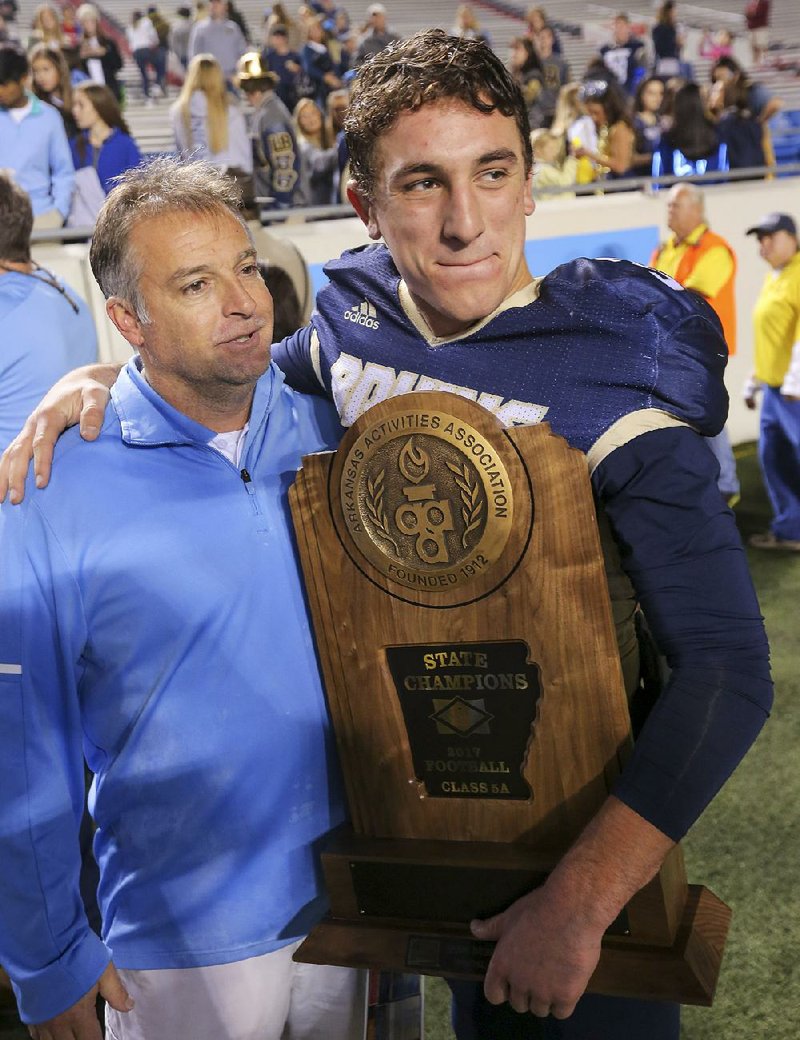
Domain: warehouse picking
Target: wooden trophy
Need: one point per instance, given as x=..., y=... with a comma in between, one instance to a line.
x=463, y=625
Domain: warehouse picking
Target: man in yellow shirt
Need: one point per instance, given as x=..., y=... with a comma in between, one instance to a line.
x=776, y=327
x=699, y=259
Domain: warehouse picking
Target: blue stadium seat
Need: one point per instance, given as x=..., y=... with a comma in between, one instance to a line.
x=785, y=130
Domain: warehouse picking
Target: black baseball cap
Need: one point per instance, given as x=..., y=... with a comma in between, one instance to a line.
x=773, y=222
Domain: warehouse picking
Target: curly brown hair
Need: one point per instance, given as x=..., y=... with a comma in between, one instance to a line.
x=429, y=66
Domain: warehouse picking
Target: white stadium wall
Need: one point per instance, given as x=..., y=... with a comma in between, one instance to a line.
x=626, y=225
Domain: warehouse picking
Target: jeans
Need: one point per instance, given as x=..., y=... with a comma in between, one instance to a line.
x=779, y=455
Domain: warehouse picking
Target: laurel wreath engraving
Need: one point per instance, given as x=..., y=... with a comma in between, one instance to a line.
x=472, y=504
x=375, y=508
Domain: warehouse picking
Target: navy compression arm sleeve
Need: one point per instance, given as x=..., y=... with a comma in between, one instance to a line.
x=681, y=549
x=293, y=356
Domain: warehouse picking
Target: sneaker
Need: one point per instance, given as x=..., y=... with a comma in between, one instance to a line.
x=768, y=540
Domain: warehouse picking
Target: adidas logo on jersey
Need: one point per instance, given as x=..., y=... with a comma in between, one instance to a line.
x=365, y=314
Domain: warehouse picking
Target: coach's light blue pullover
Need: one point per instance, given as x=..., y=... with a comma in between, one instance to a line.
x=152, y=619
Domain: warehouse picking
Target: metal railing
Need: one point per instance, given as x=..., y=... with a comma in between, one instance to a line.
x=653, y=184
x=649, y=185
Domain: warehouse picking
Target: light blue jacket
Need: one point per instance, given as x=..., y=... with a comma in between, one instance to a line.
x=151, y=617
x=42, y=338
x=36, y=149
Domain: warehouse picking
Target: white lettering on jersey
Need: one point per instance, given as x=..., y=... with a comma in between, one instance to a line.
x=357, y=387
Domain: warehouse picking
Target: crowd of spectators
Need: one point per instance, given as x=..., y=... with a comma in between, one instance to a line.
x=62, y=132
x=638, y=110
x=266, y=107
x=635, y=111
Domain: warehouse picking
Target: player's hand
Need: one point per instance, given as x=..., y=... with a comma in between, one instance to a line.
x=548, y=942
x=544, y=956
x=81, y=397
x=80, y=1021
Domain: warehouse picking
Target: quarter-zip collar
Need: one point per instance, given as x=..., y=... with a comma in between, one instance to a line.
x=147, y=420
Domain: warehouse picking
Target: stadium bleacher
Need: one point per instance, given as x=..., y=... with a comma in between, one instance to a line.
x=582, y=28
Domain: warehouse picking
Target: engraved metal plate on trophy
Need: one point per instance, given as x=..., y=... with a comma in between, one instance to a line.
x=484, y=698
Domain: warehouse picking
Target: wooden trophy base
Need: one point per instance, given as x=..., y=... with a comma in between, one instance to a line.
x=405, y=906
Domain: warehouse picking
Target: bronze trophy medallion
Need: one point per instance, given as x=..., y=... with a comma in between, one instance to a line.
x=427, y=502
x=460, y=605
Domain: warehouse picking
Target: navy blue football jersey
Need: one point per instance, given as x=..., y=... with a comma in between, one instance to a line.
x=592, y=342
x=627, y=366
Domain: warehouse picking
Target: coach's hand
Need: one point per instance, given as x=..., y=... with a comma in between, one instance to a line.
x=81, y=396
x=80, y=1021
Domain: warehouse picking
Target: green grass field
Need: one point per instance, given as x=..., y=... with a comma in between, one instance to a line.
x=746, y=847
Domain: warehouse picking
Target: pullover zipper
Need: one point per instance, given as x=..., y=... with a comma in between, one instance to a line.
x=247, y=480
